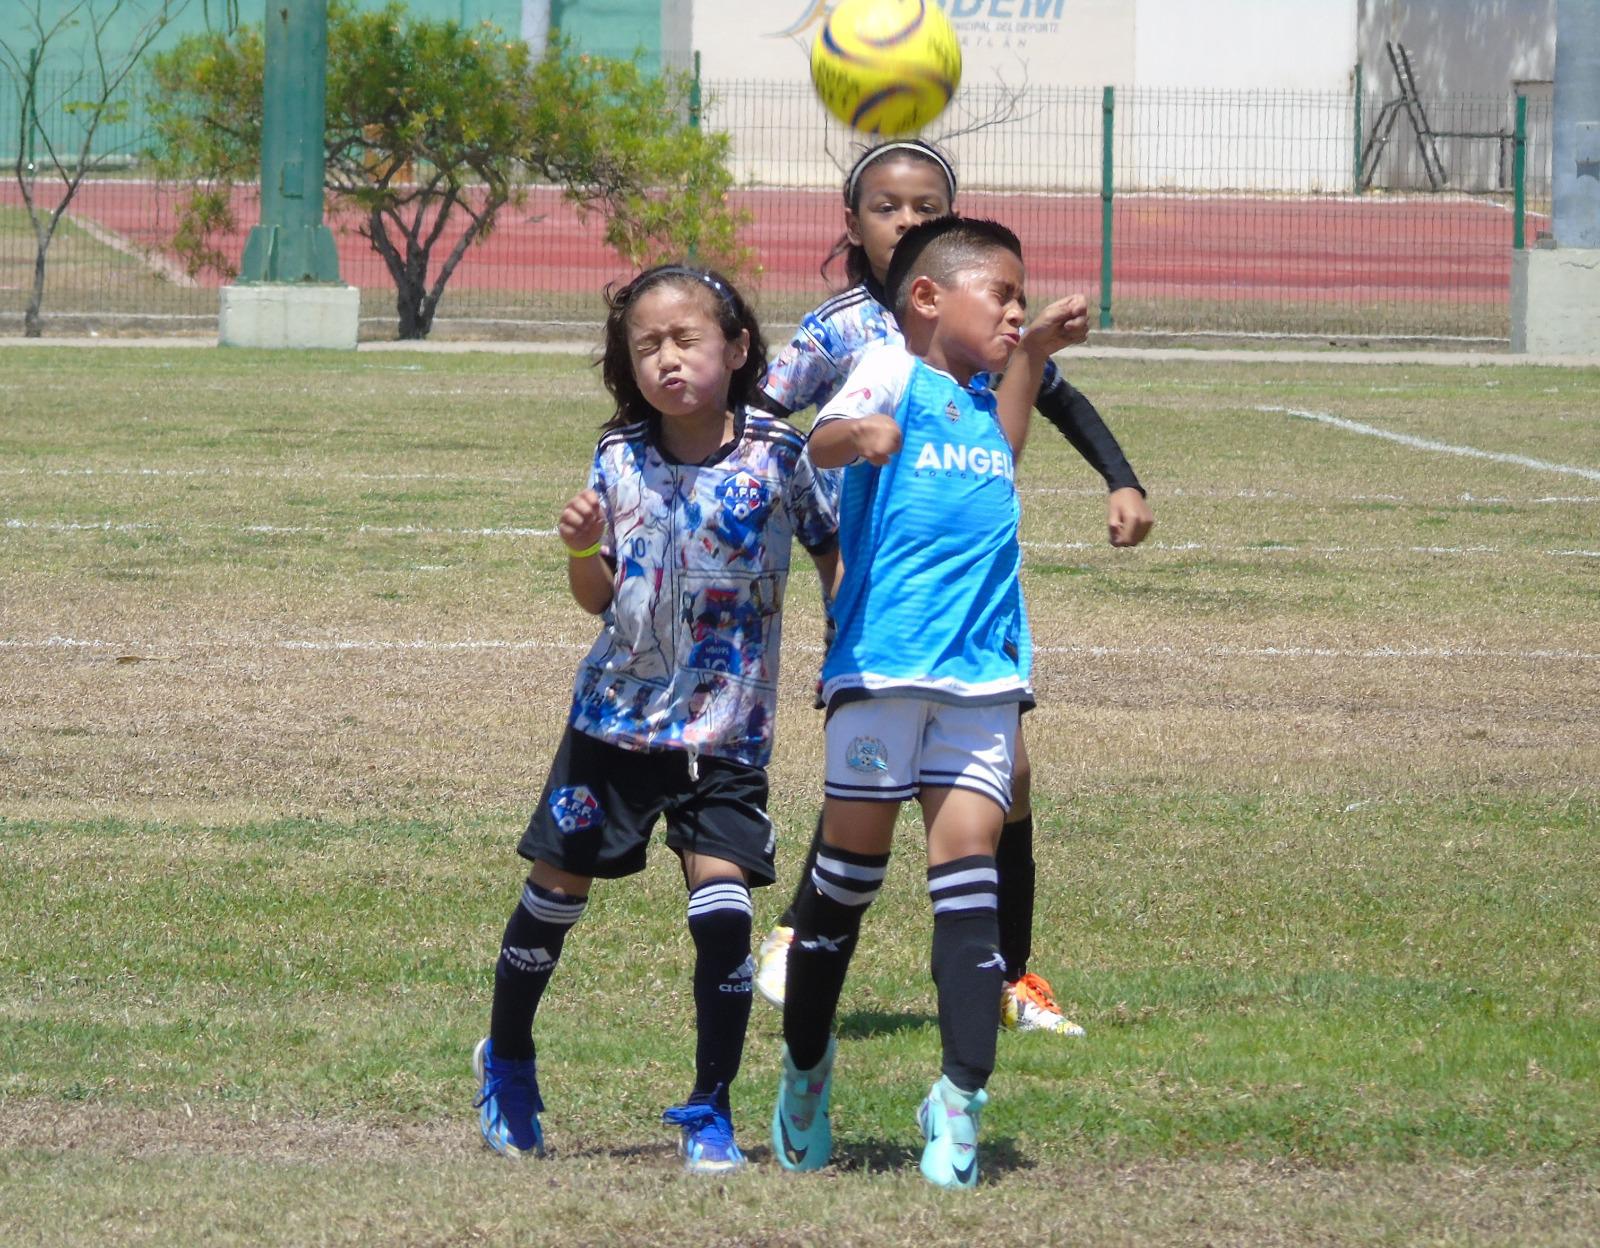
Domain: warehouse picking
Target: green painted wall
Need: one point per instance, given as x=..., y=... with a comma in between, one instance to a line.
x=605, y=27
x=617, y=28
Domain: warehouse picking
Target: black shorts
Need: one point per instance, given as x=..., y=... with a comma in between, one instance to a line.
x=601, y=803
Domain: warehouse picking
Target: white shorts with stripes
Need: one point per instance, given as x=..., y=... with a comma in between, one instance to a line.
x=890, y=749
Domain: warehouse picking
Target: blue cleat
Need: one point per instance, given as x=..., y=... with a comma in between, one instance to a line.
x=949, y=1122
x=508, y=1103
x=706, y=1145
x=802, y=1134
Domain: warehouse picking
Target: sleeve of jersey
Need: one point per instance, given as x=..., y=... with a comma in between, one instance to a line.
x=814, y=506
x=804, y=371
x=873, y=388
x=1065, y=407
x=599, y=482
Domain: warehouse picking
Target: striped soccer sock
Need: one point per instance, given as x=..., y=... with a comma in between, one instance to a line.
x=529, y=951
x=719, y=922
x=968, y=970
x=827, y=923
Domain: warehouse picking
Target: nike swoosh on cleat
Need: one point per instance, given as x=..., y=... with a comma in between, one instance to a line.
x=796, y=1155
x=964, y=1174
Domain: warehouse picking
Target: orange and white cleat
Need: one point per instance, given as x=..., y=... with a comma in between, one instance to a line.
x=1028, y=1004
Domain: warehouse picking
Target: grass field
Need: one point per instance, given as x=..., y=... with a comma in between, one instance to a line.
x=286, y=648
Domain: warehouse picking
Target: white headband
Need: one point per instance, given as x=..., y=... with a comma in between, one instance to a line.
x=921, y=149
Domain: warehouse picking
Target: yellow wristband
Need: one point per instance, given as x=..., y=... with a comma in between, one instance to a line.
x=584, y=554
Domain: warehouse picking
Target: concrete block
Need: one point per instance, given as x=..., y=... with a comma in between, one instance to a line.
x=290, y=314
x=1555, y=301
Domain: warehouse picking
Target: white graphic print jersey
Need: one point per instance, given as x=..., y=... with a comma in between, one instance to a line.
x=688, y=655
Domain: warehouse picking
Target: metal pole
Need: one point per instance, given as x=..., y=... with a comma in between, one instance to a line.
x=1519, y=175
x=1355, y=177
x=1575, y=165
x=1107, y=116
x=694, y=95
x=292, y=244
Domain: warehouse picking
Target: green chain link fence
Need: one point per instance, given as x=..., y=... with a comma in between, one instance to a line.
x=1181, y=211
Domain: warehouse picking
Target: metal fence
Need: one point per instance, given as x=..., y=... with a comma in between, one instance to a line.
x=1192, y=211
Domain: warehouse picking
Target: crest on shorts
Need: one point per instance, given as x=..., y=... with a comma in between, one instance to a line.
x=575, y=809
x=867, y=754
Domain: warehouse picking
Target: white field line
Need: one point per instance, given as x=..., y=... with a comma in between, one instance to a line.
x=1319, y=652
x=343, y=645
x=404, y=530
x=471, y=478
x=1215, y=548
x=260, y=474
x=151, y=258
x=1277, y=548
x=1428, y=444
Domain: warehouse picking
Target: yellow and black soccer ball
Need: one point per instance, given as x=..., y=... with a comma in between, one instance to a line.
x=886, y=66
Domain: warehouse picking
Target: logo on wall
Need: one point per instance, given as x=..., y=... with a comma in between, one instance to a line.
x=977, y=22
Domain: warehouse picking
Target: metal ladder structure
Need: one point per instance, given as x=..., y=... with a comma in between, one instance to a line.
x=1411, y=104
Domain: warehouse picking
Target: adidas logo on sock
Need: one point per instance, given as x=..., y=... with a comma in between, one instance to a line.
x=528, y=960
x=739, y=980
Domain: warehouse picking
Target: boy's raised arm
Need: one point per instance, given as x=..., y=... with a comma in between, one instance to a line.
x=1063, y=323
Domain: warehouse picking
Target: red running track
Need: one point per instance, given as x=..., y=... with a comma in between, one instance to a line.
x=1372, y=249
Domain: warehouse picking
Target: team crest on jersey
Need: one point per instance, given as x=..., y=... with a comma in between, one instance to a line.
x=744, y=494
x=575, y=809
x=867, y=754
x=952, y=411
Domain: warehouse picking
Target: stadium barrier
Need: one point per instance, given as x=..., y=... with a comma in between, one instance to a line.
x=1180, y=211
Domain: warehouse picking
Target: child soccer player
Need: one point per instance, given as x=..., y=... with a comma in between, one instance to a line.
x=890, y=188
x=930, y=669
x=681, y=543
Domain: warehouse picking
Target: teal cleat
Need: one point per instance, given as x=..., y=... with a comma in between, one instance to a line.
x=802, y=1135
x=949, y=1122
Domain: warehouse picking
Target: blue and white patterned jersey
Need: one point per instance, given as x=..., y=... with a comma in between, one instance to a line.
x=687, y=657
x=826, y=348
x=931, y=600
x=829, y=344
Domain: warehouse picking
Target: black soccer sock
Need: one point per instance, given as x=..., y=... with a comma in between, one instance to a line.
x=719, y=922
x=529, y=951
x=803, y=885
x=967, y=967
x=1014, y=860
x=827, y=923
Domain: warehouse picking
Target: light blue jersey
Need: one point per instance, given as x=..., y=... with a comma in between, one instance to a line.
x=931, y=602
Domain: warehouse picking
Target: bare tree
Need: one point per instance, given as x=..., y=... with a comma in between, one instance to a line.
x=91, y=94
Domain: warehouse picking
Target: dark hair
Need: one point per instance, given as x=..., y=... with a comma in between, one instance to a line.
x=942, y=249
x=726, y=305
x=857, y=268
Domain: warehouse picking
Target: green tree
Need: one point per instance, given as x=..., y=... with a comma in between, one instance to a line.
x=428, y=121
x=79, y=104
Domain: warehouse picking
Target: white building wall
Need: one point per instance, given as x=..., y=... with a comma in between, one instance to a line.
x=1249, y=94
x=1197, y=117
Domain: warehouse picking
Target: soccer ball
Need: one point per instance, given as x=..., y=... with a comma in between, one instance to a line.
x=886, y=66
